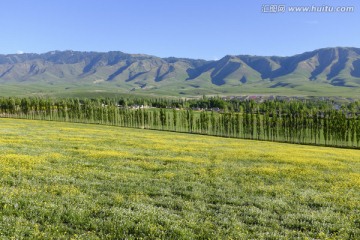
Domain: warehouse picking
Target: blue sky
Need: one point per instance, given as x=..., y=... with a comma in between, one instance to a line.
x=207, y=29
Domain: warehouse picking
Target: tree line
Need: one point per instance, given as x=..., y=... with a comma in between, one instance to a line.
x=304, y=122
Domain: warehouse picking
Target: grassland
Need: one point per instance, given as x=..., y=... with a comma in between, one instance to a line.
x=90, y=90
x=79, y=181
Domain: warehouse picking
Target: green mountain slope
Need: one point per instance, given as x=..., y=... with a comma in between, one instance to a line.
x=323, y=72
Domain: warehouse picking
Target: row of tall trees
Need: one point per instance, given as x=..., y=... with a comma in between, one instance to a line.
x=286, y=121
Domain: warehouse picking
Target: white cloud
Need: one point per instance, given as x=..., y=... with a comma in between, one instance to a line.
x=19, y=52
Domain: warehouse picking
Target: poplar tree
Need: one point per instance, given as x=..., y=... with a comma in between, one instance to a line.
x=175, y=117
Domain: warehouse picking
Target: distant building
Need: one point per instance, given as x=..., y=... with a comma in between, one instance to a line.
x=215, y=109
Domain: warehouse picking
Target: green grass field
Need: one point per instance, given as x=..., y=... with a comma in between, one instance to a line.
x=174, y=90
x=79, y=181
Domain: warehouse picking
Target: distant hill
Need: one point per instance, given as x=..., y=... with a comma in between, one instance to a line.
x=323, y=72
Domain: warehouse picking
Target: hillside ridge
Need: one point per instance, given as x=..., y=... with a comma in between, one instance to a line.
x=326, y=70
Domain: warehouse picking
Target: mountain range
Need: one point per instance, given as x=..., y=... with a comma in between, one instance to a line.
x=323, y=72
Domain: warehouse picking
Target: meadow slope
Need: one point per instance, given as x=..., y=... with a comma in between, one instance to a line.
x=81, y=181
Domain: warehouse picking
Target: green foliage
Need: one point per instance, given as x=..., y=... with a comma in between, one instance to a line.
x=301, y=122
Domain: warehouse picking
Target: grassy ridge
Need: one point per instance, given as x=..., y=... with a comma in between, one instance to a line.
x=324, y=72
x=64, y=180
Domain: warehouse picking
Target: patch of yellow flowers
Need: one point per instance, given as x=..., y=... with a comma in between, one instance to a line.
x=32, y=147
